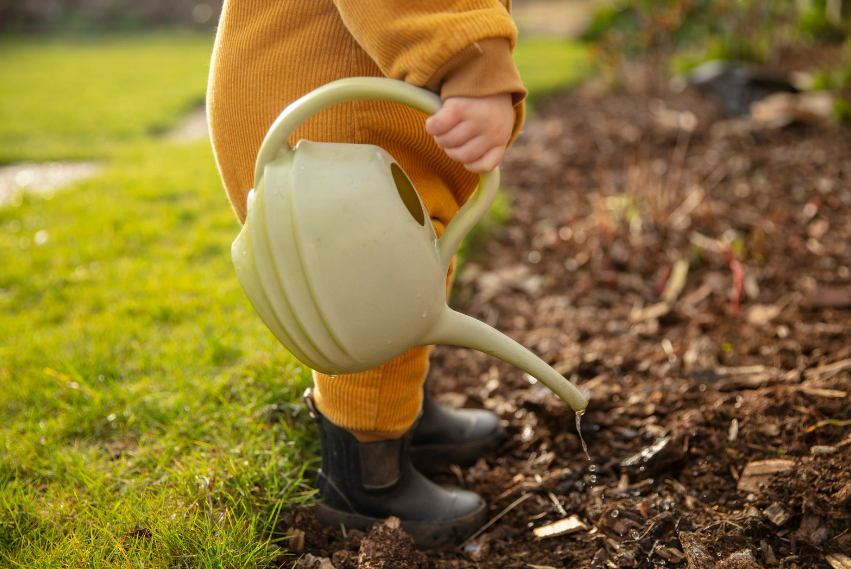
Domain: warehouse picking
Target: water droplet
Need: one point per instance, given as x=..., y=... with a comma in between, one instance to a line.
x=634, y=534
x=593, y=478
x=615, y=513
x=527, y=434
x=425, y=313
x=332, y=375
x=530, y=379
x=579, y=432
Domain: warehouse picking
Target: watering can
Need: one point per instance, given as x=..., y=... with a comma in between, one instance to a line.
x=338, y=255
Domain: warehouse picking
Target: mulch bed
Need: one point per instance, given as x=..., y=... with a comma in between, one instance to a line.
x=691, y=272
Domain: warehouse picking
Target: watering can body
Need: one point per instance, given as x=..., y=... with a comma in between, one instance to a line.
x=350, y=273
x=338, y=255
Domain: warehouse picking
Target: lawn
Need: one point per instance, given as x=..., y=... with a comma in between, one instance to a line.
x=79, y=99
x=547, y=65
x=146, y=414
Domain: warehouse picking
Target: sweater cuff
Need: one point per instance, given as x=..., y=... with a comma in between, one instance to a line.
x=481, y=69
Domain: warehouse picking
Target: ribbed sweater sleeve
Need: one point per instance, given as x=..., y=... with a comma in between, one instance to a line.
x=411, y=41
x=480, y=69
x=451, y=47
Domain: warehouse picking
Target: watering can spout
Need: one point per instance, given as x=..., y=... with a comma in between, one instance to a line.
x=459, y=329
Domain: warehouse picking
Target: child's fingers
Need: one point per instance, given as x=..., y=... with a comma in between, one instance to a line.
x=457, y=136
x=487, y=162
x=471, y=151
x=473, y=131
x=443, y=120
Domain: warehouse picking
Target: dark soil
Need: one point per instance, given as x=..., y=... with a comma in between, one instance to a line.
x=689, y=380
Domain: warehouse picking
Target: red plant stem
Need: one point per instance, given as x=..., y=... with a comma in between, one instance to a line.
x=664, y=274
x=738, y=286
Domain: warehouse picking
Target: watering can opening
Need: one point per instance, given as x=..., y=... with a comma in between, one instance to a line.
x=407, y=192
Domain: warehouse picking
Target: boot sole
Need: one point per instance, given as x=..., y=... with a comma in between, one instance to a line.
x=463, y=455
x=427, y=535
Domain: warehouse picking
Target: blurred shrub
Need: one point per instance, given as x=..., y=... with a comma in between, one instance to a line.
x=837, y=78
x=814, y=20
x=749, y=30
x=41, y=16
x=842, y=110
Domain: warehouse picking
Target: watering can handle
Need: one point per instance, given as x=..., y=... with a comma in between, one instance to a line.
x=276, y=144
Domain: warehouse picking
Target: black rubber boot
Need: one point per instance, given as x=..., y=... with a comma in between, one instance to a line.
x=364, y=483
x=453, y=436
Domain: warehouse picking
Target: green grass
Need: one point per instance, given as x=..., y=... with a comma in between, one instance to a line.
x=550, y=65
x=146, y=414
x=137, y=383
x=78, y=99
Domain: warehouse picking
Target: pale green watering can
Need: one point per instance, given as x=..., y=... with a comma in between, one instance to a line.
x=338, y=255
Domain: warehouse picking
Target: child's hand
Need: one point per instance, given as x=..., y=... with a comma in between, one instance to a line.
x=474, y=130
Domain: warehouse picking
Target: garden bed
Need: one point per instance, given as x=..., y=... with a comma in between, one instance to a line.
x=691, y=271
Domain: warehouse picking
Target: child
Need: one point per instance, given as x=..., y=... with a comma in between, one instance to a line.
x=269, y=53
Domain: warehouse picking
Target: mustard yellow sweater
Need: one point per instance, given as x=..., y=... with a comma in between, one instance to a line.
x=268, y=53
